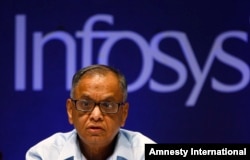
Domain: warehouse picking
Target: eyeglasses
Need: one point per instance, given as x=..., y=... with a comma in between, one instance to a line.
x=105, y=107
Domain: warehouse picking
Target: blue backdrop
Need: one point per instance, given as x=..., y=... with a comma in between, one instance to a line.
x=187, y=66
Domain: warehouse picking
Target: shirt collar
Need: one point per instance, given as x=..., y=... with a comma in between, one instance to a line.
x=71, y=150
x=123, y=149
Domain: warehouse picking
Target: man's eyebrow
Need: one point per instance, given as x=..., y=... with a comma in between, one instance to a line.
x=87, y=97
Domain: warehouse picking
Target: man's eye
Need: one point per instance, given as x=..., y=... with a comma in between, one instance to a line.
x=85, y=103
x=107, y=105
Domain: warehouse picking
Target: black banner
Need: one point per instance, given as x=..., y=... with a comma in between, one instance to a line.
x=197, y=151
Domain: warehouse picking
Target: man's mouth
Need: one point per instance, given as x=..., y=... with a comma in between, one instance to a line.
x=95, y=129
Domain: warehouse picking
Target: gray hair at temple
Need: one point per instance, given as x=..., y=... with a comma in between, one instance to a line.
x=99, y=69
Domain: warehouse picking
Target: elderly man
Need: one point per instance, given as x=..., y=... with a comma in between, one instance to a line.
x=97, y=109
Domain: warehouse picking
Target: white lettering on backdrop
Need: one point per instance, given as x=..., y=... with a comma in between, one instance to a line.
x=150, y=53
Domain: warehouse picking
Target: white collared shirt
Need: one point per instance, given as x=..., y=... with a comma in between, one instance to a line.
x=64, y=146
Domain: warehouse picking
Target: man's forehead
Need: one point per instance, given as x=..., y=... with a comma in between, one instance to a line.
x=88, y=96
x=92, y=78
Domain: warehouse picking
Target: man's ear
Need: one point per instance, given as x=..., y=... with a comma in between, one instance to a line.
x=125, y=109
x=69, y=107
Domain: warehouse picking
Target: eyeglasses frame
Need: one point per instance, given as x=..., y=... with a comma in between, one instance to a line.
x=96, y=104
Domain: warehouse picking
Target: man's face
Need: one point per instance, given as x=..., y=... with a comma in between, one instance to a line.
x=97, y=128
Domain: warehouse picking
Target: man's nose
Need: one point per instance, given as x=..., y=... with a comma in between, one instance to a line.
x=96, y=113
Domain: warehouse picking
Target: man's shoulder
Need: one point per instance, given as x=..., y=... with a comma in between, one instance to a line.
x=58, y=139
x=53, y=144
x=136, y=138
x=131, y=144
